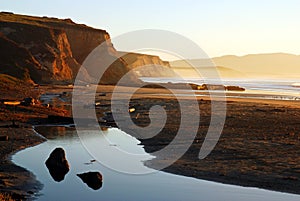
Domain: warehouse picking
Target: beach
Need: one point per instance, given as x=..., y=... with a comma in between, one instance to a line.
x=15, y=180
x=97, y=105
x=258, y=147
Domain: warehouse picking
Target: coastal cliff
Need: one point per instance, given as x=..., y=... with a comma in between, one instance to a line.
x=151, y=65
x=49, y=50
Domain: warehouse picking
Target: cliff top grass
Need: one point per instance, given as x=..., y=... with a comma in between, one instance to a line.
x=42, y=21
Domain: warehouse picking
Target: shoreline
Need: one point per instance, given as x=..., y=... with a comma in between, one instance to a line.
x=229, y=163
x=18, y=182
x=15, y=181
x=259, y=147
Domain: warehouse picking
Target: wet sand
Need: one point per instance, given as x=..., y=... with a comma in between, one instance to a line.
x=259, y=145
x=15, y=180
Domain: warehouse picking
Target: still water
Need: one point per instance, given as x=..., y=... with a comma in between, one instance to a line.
x=158, y=186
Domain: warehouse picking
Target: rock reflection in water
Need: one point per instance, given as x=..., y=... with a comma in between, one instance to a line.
x=57, y=164
x=92, y=179
x=52, y=132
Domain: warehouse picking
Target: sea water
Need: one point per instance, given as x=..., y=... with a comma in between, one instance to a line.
x=285, y=89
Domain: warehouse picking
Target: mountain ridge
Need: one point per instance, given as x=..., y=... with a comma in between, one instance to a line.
x=265, y=64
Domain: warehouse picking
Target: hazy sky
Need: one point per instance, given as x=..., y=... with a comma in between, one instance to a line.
x=219, y=27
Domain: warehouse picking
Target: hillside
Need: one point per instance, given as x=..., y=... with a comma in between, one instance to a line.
x=255, y=65
x=277, y=64
x=208, y=72
x=50, y=50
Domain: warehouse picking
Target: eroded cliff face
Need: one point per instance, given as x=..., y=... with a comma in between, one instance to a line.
x=145, y=65
x=42, y=51
x=51, y=50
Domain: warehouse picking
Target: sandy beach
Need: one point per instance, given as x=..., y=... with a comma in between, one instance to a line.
x=15, y=180
x=259, y=145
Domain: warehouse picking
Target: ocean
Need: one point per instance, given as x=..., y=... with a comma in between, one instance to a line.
x=282, y=89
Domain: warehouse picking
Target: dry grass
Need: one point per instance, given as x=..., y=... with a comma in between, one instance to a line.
x=36, y=21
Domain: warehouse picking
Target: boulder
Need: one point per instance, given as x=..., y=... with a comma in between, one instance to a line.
x=28, y=101
x=211, y=87
x=4, y=138
x=57, y=164
x=92, y=179
x=235, y=88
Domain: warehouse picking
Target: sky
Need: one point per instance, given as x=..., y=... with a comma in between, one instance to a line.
x=219, y=27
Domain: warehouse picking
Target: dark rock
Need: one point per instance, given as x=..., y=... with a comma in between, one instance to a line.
x=57, y=164
x=59, y=119
x=28, y=101
x=211, y=87
x=4, y=138
x=234, y=88
x=108, y=117
x=92, y=179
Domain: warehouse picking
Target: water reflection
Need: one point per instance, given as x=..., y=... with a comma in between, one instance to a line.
x=53, y=132
x=92, y=179
x=158, y=186
x=57, y=164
